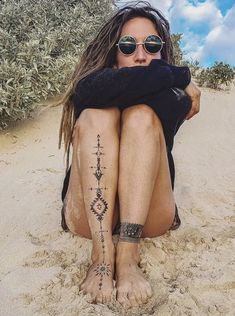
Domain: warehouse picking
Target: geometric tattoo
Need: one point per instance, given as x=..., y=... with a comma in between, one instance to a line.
x=99, y=207
x=130, y=232
x=101, y=270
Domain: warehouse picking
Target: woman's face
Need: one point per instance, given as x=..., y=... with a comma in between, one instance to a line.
x=140, y=28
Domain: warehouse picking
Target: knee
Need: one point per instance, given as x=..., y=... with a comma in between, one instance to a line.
x=98, y=118
x=140, y=117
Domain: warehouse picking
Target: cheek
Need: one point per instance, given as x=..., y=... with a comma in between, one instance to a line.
x=123, y=61
x=156, y=56
x=127, y=61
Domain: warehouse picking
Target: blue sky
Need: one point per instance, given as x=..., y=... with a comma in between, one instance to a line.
x=208, y=27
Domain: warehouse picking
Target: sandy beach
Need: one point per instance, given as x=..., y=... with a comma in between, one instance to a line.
x=191, y=270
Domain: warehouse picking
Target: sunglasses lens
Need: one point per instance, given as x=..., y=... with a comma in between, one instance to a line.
x=127, y=45
x=153, y=44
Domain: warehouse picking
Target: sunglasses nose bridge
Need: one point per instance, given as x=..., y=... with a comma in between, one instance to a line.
x=142, y=48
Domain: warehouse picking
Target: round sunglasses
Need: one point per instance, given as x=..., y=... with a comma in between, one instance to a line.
x=127, y=44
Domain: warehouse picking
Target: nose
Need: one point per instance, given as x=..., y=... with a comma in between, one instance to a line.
x=140, y=54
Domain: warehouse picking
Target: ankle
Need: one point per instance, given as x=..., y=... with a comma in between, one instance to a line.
x=105, y=251
x=130, y=232
x=127, y=251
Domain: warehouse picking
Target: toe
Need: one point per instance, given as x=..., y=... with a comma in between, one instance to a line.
x=132, y=300
x=81, y=287
x=138, y=298
x=149, y=291
x=123, y=300
x=89, y=298
x=99, y=298
x=144, y=297
x=106, y=299
x=81, y=291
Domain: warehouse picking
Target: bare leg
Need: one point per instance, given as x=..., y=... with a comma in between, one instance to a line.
x=98, y=153
x=75, y=212
x=141, y=172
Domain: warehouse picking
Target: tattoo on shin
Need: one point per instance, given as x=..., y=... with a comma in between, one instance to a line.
x=130, y=232
x=99, y=207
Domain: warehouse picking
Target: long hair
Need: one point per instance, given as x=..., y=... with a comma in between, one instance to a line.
x=101, y=52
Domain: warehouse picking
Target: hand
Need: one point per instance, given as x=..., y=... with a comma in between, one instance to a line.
x=194, y=93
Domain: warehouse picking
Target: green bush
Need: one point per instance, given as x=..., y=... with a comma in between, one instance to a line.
x=178, y=53
x=193, y=65
x=40, y=44
x=218, y=75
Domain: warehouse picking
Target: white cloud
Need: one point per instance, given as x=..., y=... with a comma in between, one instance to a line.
x=163, y=6
x=192, y=45
x=199, y=13
x=219, y=43
x=192, y=18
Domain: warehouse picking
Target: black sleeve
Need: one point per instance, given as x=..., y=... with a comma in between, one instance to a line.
x=126, y=86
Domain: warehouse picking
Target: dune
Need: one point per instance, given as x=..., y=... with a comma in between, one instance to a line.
x=191, y=270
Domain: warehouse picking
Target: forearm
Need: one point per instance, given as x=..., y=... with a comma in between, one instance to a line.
x=129, y=85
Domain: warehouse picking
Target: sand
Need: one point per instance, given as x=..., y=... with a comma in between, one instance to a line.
x=191, y=269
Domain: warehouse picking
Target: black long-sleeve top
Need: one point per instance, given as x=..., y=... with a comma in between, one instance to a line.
x=158, y=85
x=127, y=86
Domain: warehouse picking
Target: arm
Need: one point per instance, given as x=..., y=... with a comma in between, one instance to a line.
x=128, y=85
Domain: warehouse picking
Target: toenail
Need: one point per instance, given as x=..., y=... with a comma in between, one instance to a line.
x=149, y=293
x=99, y=299
x=131, y=297
x=122, y=299
x=144, y=298
x=138, y=299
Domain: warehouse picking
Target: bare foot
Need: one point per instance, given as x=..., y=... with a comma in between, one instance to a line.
x=132, y=287
x=99, y=279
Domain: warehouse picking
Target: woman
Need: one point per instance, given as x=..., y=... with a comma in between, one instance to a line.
x=122, y=109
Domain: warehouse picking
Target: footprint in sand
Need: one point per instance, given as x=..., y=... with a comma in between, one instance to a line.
x=43, y=239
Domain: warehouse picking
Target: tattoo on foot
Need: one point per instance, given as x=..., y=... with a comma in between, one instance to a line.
x=103, y=269
x=99, y=207
x=130, y=232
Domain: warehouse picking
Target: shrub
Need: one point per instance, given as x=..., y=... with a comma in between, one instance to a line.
x=194, y=66
x=40, y=44
x=215, y=77
x=178, y=53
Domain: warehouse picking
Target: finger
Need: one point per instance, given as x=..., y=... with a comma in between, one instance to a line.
x=190, y=114
x=196, y=104
x=196, y=107
x=193, y=110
